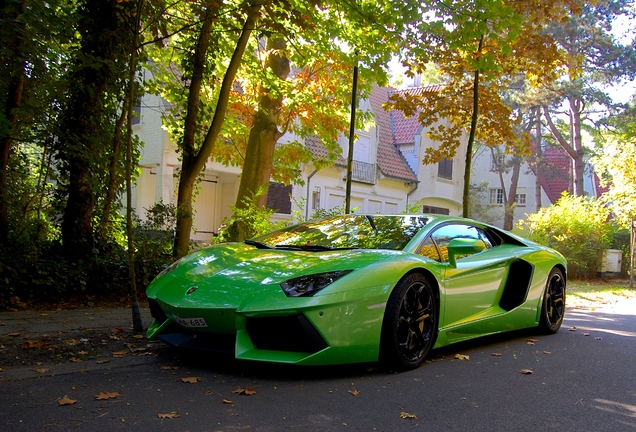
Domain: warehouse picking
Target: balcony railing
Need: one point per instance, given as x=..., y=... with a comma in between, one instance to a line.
x=364, y=172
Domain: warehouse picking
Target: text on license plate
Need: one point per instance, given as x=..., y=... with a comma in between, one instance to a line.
x=190, y=322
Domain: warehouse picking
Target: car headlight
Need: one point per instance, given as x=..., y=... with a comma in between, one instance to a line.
x=306, y=286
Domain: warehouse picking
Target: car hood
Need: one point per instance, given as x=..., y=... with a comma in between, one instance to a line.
x=237, y=270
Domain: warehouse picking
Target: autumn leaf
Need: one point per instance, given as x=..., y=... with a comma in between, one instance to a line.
x=44, y=314
x=191, y=380
x=354, y=392
x=547, y=352
x=63, y=401
x=532, y=341
x=101, y=361
x=169, y=367
x=526, y=372
x=14, y=334
x=406, y=415
x=118, y=354
x=170, y=415
x=41, y=370
x=246, y=392
x=107, y=395
x=462, y=357
x=138, y=336
x=227, y=401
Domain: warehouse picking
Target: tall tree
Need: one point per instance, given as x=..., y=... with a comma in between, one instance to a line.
x=322, y=40
x=477, y=46
x=98, y=74
x=595, y=57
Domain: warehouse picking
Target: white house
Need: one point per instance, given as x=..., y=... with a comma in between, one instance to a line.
x=388, y=175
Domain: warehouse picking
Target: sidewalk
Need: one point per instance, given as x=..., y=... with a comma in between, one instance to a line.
x=44, y=343
x=30, y=322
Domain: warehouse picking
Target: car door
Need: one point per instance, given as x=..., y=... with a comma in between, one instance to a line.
x=473, y=286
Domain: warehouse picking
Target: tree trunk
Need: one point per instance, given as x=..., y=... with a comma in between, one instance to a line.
x=471, y=137
x=573, y=148
x=538, y=160
x=576, y=108
x=511, y=202
x=259, y=155
x=134, y=307
x=15, y=74
x=193, y=162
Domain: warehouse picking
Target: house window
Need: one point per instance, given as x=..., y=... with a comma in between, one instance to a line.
x=445, y=169
x=497, y=162
x=279, y=198
x=315, y=200
x=520, y=198
x=496, y=196
x=436, y=210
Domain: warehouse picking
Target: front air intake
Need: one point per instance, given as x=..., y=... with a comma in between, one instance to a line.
x=293, y=333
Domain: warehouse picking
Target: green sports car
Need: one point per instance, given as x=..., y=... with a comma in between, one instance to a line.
x=358, y=288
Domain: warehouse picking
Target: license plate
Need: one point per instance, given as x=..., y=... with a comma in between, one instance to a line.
x=190, y=322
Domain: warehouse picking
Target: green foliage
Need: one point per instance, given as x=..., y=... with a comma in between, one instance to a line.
x=154, y=238
x=488, y=213
x=575, y=226
x=249, y=221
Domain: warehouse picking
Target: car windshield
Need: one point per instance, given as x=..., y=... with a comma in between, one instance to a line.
x=346, y=232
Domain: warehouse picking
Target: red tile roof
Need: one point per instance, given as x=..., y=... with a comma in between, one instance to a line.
x=390, y=160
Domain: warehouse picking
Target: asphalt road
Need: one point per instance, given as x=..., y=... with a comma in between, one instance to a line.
x=583, y=379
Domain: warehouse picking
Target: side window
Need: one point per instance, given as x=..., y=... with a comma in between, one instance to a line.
x=429, y=250
x=443, y=236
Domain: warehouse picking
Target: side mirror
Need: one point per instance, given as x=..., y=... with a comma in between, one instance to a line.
x=462, y=246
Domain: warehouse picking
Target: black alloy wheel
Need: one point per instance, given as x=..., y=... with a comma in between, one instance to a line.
x=409, y=329
x=553, y=308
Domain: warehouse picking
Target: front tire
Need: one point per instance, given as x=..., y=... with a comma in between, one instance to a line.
x=409, y=328
x=553, y=307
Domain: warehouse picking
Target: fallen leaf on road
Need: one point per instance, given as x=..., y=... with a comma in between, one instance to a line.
x=191, y=380
x=526, y=371
x=63, y=401
x=354, y=392
x=44, y=314
x=573, y=328
x=107, y=395
x=169, y=367
x=76, y=360
x=170, y=415
x=14, y=334
x=406, y=415
x=462, y=357
x=118, y=354
x=139, y=336
x=41, y=370
x=227, y=401
x=101, y=361
x=532, y=341
x=547, y=352
x=242, y=391
x=585, y=334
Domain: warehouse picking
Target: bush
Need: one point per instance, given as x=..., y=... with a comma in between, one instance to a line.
x=575, y=226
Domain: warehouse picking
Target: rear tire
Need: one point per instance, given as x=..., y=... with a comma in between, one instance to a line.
x=409, y=328
x=553, y=306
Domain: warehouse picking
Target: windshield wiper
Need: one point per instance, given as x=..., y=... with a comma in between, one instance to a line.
x=258, y=244
x=313, y=248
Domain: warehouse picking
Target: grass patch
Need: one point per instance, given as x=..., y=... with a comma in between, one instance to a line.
x=597, y=292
